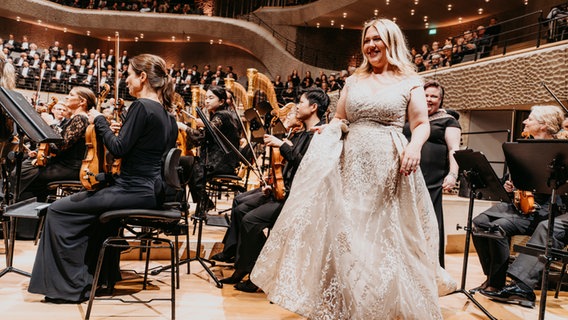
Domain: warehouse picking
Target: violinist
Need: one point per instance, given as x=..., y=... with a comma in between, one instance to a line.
x=72, y=237
x=212, y=160
x=504, y=220
x=68, y=154
x=257, y=209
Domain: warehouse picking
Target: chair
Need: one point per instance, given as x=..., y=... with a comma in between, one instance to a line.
x=146, y=225
x=58, y=190
x=219, y=185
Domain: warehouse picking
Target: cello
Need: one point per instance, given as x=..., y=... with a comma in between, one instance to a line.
x=43, y=150
x=94, y=162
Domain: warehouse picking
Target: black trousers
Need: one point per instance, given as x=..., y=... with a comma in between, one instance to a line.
x=527, y=268
x=72, y=237
x=494, y=253
x=251, y=213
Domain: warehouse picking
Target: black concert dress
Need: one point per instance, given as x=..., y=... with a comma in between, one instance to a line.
x=435, y=165
x=65, y=165
x=69, y=246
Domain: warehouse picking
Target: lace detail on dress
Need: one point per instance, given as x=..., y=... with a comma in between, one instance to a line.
x=356, y=239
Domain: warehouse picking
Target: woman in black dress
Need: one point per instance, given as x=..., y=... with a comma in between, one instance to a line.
x=212, y=157
x=72, y=237
x=68, y=155
x=437, y=163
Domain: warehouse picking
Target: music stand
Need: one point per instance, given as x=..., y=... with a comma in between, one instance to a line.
x=26, y=122
x=540, y=166
x=483, y=184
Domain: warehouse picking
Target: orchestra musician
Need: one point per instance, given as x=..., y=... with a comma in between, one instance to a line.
x=257, y=209
x=73, y=236
x=504, y=220
x=68, y=154
x=437, y=161
x=212, y=156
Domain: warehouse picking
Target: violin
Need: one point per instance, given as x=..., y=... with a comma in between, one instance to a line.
x=276, y=178
x=94, y=162
x=43, y=150
x=115, y=166
x=524, y=200
x=276, y=166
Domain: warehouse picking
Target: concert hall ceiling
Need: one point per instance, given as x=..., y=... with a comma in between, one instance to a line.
x=351, y=14
x=417, y=14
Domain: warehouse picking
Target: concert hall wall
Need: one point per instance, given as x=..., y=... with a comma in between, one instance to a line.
x=198, y=53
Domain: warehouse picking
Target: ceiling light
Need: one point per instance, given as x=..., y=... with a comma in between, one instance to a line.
x=64, y=29
x=188, y=38
x=108, y=38
x=173, y=38
x=88, y=32
x=394, y=19
x=416, y=2
x=388, y=2
x=141, y=36
x=342, y=26
x=425, y=18
x=116, y=34
x=411, y=12
x=449, y=7
x=39, y=21
x=376, y=12
x=480, y=10
x=18, y=19
x=426, y=25
x=211, y=41
x=332, y=22
x=135, y=39
x=460, y=20
x=317, y=25
x=344, y=14
x=526, y=2
x=220, y=41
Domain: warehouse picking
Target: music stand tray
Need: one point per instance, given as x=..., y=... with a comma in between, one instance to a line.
x=540, y=166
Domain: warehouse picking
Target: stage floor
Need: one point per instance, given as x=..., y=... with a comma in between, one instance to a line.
x=198, y=298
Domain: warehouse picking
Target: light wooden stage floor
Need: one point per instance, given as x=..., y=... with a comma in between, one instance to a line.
x=198, y=298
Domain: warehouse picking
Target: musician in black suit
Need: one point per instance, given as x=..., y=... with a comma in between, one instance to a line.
x=255, y=210
x=504, y=219
x=526, y=270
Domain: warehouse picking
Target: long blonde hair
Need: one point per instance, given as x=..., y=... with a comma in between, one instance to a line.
x=7, y=73
x=398, y=55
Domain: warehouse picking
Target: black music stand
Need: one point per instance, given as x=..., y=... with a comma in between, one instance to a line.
x=483, y=184
x=540, y=166
x=29, y=123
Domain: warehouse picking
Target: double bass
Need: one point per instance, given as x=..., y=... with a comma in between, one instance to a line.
x=94, y=162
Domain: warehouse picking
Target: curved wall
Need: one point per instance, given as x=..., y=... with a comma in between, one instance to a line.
x=250, y=39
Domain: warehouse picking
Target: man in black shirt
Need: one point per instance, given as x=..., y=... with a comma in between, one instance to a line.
x=255, y=210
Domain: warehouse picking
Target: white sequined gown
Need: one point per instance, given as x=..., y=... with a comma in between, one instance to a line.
x=356, y=239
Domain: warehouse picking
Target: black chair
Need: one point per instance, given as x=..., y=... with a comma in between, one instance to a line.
x=145, y=227
x=220, y=185
x=57, y=190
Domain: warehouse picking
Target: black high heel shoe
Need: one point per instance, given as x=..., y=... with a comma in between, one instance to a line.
x=235, y=278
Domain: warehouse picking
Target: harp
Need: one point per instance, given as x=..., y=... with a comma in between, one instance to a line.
x=239, y=92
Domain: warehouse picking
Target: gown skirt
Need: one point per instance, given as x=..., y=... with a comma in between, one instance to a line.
x=356, y=239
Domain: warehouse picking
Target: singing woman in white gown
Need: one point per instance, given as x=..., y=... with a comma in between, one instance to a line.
x=357, y=238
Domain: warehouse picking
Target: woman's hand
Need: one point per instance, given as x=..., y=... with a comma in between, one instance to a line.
x=449, y=182
x=115, y=126
x=410, y=159
x=272, y=141
x=509, y=187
